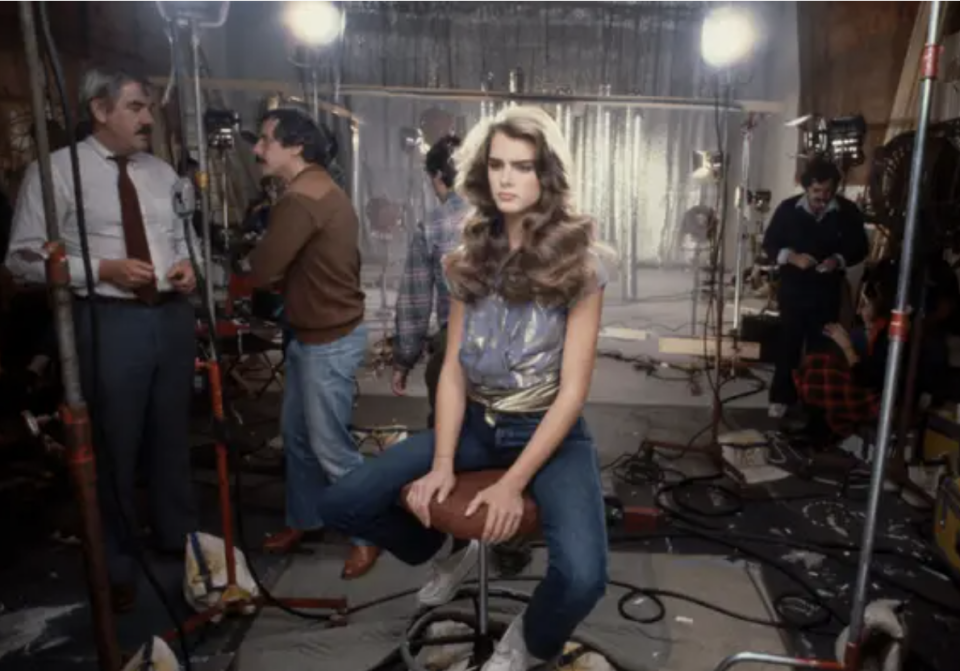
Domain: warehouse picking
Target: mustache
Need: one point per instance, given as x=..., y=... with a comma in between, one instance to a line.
x=259, y=160
x=145, y=130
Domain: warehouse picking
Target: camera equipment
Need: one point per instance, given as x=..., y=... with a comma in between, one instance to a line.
x=222, y=126
x=839, y=139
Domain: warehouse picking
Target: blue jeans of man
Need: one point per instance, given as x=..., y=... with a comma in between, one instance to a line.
x=317, y=407
x=567, y=491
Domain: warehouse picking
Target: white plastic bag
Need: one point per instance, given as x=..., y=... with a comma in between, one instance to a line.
x=205, y=580
x=885, y=632
x=156, y=655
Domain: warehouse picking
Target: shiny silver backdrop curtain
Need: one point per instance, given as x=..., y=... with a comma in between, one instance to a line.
x=634, y=165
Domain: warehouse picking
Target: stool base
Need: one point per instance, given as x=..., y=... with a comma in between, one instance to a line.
x=483, y=643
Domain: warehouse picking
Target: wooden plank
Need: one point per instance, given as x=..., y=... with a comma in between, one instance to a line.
x=904, y=107
x=695, y=346
x=903, y=113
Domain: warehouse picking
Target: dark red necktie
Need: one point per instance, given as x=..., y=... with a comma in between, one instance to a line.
x=134, y=231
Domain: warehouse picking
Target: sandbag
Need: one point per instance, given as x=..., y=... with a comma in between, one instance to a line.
x=205, y=577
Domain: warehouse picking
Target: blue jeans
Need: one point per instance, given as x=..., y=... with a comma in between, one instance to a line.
x=317, y=407
x=567, y=491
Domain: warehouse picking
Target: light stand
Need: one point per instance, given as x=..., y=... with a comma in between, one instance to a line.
x=719, y=272
x=315, y=25
x=233, y=599
x=74, y=413
x=185, y=15
x=743, y=219
x=899, y=328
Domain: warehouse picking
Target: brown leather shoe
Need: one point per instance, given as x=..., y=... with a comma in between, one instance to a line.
x=283, y=542
x=123, y=597
x=360, y=561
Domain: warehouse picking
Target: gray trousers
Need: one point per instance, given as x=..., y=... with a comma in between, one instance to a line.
x=142, y=409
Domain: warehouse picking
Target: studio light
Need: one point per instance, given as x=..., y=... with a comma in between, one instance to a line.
x=846, y=136
x=729, y=35
x=315, y=24
x=707, y=165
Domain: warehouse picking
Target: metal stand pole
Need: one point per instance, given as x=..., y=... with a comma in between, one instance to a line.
x=777, y=660
x=80, y=454
x=743, y=221
x=695, y=300
x=899, y=327
x=356, y=185
x=719, y=272
x=233, y=598
x=203, y=176
x=314, y=94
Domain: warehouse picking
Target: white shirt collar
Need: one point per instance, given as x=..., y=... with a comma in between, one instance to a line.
x=105, y=153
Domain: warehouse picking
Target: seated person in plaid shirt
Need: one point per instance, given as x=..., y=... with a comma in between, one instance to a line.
x=841, y=381
x=423, y=276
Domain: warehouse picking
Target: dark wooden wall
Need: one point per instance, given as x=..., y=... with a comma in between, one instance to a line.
x=123, y=33
x=851, y=59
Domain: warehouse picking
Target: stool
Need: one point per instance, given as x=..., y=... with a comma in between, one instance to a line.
x=449, y=517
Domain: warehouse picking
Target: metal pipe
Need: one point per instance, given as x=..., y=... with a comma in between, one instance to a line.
x=225, y=196
x=315, y=94
x=468, y=95
x=777, y=660
x=622, y=196
x=580, y=156
x=203, y=176
x=608, y=151
x=356, y=187
x=898, y=334
x=695, y=299
x=633, y=245
x=483, y=606
x=74, y=413
x=719, y=282
x=743, y=221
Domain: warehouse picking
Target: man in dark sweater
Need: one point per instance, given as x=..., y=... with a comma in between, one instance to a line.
x=814, y=238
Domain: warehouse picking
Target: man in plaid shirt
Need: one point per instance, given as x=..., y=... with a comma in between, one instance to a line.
x=423, y=276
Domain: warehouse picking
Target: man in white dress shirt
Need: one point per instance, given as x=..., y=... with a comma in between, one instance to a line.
x=146, y=344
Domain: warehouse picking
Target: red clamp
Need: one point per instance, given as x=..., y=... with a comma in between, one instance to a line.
x=58, y=271
x=899, y=326
x=930, y=61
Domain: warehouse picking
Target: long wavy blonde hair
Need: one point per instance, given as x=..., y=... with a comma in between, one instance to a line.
x=552, y=265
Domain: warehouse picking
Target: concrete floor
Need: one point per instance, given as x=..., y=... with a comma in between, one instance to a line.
x=689, y=638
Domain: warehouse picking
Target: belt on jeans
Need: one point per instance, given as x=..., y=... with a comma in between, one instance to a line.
x=162, y=298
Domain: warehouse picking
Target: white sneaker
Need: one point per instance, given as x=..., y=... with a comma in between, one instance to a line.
x=777, y=411
x=511, y=652
x=449, y=571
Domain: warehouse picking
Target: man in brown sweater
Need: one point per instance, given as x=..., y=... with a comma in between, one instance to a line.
x=311, y=251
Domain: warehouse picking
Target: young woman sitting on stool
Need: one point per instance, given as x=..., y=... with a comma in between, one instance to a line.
x=527, y=291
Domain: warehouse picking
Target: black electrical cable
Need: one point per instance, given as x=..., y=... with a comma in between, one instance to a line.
x=637, y=471
x=104, y=455
x=222, y=432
